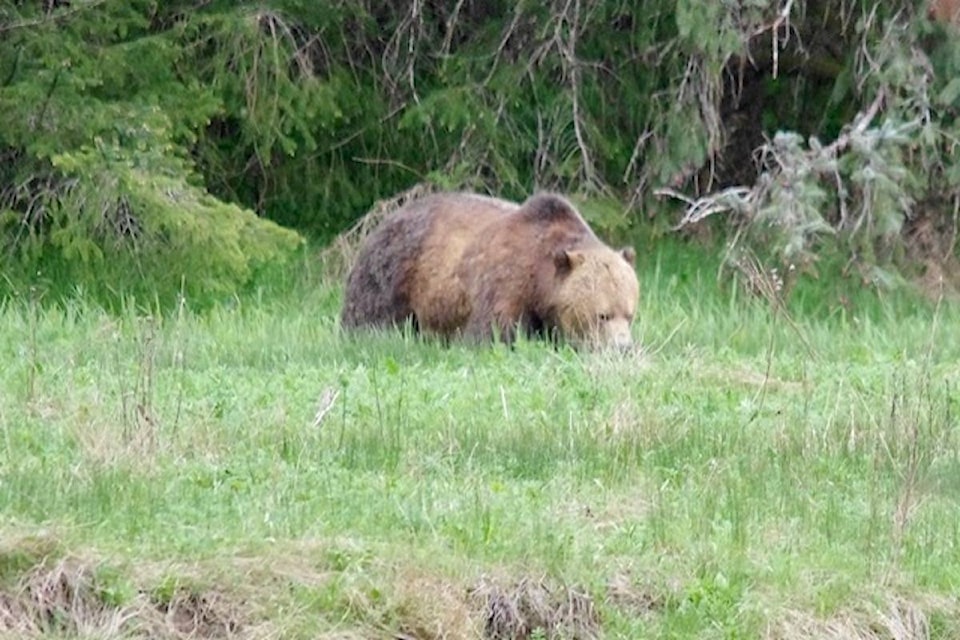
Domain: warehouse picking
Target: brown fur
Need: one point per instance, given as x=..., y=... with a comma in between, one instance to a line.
x=461, y=264
x=946, y=11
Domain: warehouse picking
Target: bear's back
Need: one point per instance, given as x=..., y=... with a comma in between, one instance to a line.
x=406, y=268
x=458, y=222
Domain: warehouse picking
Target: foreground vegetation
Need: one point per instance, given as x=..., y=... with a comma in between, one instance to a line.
x=248, y=472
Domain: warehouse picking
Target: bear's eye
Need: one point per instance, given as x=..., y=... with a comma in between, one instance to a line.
x=604, y=317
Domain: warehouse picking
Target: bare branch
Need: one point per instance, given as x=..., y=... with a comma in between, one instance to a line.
x=507, y=34
x=860, y=124
x=735, y=199
x=410, y=28
x=589, y=172
x=451, y=29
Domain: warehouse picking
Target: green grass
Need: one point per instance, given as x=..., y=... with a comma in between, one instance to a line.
x=748, y=475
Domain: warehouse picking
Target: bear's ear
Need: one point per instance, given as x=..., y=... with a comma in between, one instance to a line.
x=629, y=255
x=567, y=260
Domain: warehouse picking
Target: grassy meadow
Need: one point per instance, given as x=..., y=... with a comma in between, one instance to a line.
x=248, y=472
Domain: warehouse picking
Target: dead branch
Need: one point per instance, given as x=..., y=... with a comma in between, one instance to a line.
x=451, y=28
x=410, y=28
x=746, y=200
x=737, y=199
x=570, y=51
x=504, y=39
x=860, y=124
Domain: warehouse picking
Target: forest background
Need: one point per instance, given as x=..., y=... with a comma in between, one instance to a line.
x=167, y=148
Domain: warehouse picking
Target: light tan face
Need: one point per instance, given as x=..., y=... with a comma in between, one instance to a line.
x=597, y=298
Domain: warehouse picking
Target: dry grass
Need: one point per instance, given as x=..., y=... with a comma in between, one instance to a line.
x=112, y=444
x=65, y=597
x=431, y=607
x=197, y=615
x=634, y=599
x=529, y=606
x=892, y=619
x=60, y=598
x=71, y=596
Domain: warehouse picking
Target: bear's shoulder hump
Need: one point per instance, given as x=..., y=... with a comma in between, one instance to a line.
x=549, y=208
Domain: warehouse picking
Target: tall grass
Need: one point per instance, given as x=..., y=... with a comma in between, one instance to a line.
x=748, y=474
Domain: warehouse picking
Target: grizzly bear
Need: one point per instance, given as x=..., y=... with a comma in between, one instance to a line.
x=458, y=264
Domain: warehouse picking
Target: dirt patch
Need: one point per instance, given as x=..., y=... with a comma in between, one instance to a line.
x=199, y=615
x=517, y=611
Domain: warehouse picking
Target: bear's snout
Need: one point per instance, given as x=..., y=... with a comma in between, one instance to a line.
x=618, y=335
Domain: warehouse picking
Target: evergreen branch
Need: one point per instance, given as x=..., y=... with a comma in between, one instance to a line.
x=66, y=13
x=504, y=39
x=359, y=132
x=14, y=67
x=390, y=163
x=46, y=99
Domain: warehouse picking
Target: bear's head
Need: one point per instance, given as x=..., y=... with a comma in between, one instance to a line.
x=595, y=297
